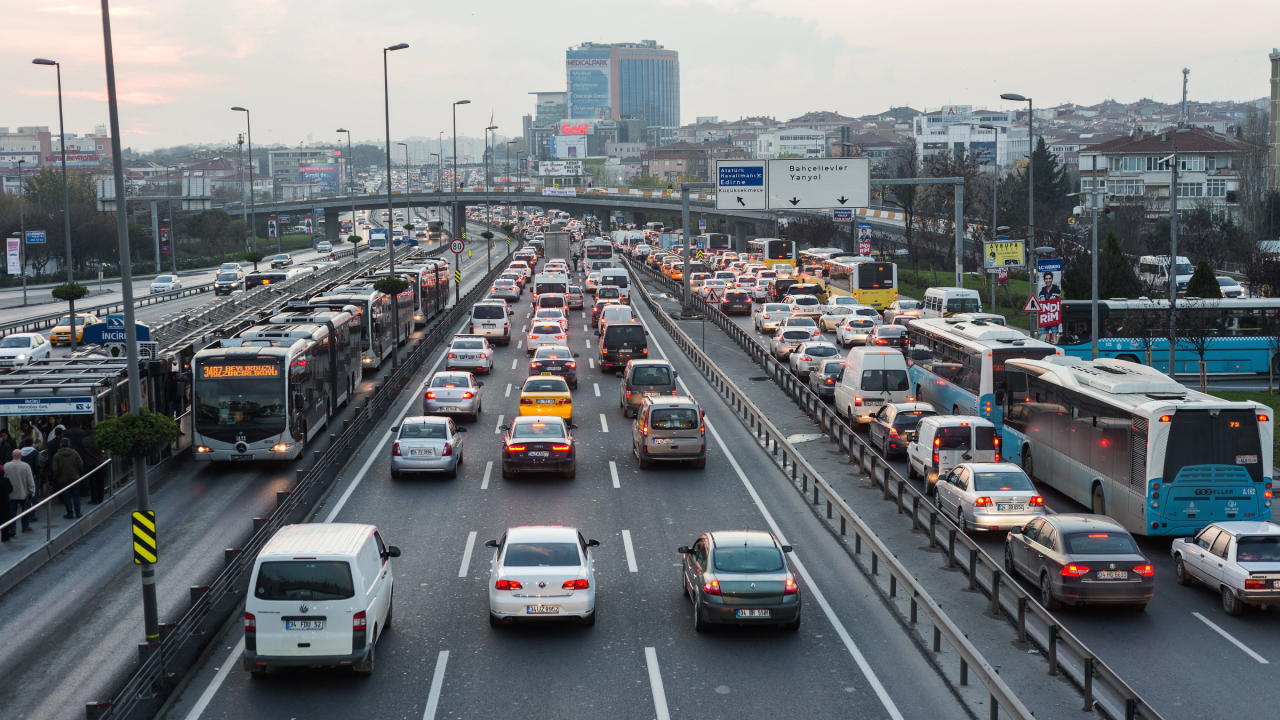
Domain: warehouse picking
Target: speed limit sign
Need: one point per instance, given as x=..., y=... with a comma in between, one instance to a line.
x=457, y=246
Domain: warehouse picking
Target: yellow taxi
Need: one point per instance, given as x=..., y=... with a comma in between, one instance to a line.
x=61, y=333
x=546, y=394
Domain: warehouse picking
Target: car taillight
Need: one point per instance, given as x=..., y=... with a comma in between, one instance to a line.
x=893, y=432
x=468, y=395
x=561, y=337
x=1074, y=570
x=982, y=502
x=560, y=448
x=508, y=585
x=534, y=364
x=712, y=587
x=935, y=458
x=526, y=401
x=451, y=355
x=857, y=402
x=1148, y=571
x=395, y=449
x=565, y=401
x=791, y=587
x=628, y=394
x=579, y=584
x=572, y=364
x=644, y=430
x=1037, y=501
x=359, y=621
x=431, y=396
x=805, y=358
x=448, y=450
x=250, y=623
x=515, y=448
x=881, y=342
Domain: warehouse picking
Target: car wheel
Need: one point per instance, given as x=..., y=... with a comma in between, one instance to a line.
x=395, y=474
x=1099, y=502
x=571, y=474
x=1138, y=607
x=588, y=620
x=792, y=626
x=1180, y=571
x=1046, y=594
x=700, y=463
x=1028, y=463
x=699, y=625
x=1231, y=604
x=1008, y=561
x=391, y=606
x=365, y=668
x=642, y=462
x=911, y=471
x=495, y=621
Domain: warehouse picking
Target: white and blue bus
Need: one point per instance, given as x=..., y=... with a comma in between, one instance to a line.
x=1134, y=330
x=957, y=365
x=1126, y=441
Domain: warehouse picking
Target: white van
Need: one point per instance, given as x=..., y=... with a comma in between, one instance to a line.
x=543, y=283
x=320, y=595
x=871, y=377
x=619, y=278
x=944, y=441
x=947, y=301
x=1154, y=270
x=491, y=318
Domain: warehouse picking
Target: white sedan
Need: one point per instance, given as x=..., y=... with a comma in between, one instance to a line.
x=1238, y=559
x=542, y=333
x=719, y=286
x=23, y=349
x=165, y=283
x=555, y=315
x=762, y=290
x=833, y=317
x=810, y=355
x=542, y=572
x=470, y=352
x=854, y=331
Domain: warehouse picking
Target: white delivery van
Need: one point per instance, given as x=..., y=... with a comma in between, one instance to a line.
x=320, y=595
x=947, y=301
x=619, y=278
x=944, y=441
x=871, y=377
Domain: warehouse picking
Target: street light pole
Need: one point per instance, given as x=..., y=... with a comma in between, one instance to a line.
x=22, y=240
x=66, y=198
x=1031, y=172
x=456, y=186
x=1173, y=252
x=391, y=245
x=488, y=210
x=253, y=204
x=351, y=181
x=244, y=205
x=168, y=206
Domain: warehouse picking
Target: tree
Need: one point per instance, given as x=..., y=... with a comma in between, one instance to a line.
x=1116, y=278
x=817, y=231
x=1203, y=283
x=1199, y=324
x=135, y=435
x=901, y=164
x=254, y=257
x=391, y=285
x=1052, y=182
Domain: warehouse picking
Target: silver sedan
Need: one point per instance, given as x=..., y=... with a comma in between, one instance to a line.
x=989, y=496
x=452, y=393
x=427, y=444
x=505, y=289
x=470, y=351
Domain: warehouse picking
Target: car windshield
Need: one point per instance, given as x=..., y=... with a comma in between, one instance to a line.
x=1227, y=282
x=891, y=331
x=165, y=278
x=821, y=351
x=304, y=580
x=832, y=368
x=542, y=555
x=550, y=313
x=806, y=300
x=67, y=320
x=748, y=559
x=550, y=302
x=908, y=305
x=953, y=438
x=434, y=431
x=673, y=418
x=529, y=431
x=625, y=333
x=994, y=481
x=488, y=312
x=468, y=344
x=15, y=342
x=1101, y=543
x=282, y=257
x=801, y=322
x=546, y=385
x=862, y=323
x=553, y=354
x=448, y=381
x=229, y=276
x=1258, y=548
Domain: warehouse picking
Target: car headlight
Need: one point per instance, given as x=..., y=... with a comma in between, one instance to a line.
x=20, y=357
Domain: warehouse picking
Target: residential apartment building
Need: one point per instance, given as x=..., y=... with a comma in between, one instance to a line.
x=28, y=144
x=669, y=162
x=791, y=142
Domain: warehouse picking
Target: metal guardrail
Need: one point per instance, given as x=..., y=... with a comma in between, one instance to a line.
x=49, y=320
x=775, y=442
x=181, y=643
x=1066, y=653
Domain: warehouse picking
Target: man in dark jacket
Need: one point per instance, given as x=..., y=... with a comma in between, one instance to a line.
x=31, y=456
x=76, y=435
x=65, y=467
x=93, y=457
x=6, y=487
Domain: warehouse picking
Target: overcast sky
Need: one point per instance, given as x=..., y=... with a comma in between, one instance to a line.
x=306, y=68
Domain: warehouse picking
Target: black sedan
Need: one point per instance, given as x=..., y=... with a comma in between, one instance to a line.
x=539, y=444
x=555, y=360
x=1078, y=559
x=893, y=426
x=888, y=336
x=736, y=302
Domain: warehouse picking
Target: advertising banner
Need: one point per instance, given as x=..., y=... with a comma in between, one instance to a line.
x=309, y=226
x=983, y=153
x=1049, y=293
x=324, y=173
x=571, y=146
x=1003, y=252
x=164, y=239
x=272, y=232
x=560, y=168
x=842, y=215
x=35, y=237
x=1002, y=276
x=74, y=160
x=864, y=238
x=560, y=192
x=587, y=74
x=11, y=253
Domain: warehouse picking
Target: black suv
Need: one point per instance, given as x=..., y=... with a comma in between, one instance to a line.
x=621, y=343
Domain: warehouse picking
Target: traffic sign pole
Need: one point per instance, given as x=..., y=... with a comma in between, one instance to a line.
x=456, y=247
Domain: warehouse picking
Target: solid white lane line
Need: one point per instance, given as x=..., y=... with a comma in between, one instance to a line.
x=498, y=427
x=488, y=468
x=513, y=367
x=1232, y=640
x=466, y=554
x=631, y=553
x=604, y=423
x=852, y=647
x=592, y=362
x=206, y=697
x=596, y=386
x=613, y=472
x=437, y=680
x=514, y=361
x=655, y=684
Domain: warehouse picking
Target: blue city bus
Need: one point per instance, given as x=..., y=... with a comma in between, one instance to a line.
x=1126, y=441
x=1134, y=330
x=958, y=365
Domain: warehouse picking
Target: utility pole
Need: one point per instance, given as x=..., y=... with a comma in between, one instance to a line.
x=686, y=232
x=22, y=241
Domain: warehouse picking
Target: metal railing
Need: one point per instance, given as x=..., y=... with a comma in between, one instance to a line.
x=1065, y=652
x=49, y=320
x=181, y=644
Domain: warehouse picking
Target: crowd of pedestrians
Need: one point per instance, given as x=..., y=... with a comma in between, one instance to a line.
x=44, y=457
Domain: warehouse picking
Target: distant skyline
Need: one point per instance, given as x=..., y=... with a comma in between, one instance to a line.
x=308, y=68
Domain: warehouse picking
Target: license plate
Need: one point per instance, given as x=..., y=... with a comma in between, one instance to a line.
x=753, y=613
x=542, y=609
x=1010, y=507
x=241, y=457
x=1113, y=574
x=422, y=452
x=489, y=326
x=650, y=393
x=451, y=408
x=661, y=441
x=546, y=401
x=539, y=453
x=303, y=624
x=873, y=401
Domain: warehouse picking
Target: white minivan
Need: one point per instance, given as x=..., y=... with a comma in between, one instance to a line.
x=619, y=278
x=944, y=441
x=871, y=377
x=947, y=301
x=320, y=596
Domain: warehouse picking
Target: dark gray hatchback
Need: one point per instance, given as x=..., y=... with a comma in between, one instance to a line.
x=740, y=578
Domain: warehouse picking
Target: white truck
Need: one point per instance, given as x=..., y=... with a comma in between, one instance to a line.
x=556, y=245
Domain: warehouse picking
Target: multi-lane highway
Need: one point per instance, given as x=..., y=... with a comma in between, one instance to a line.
x=642, y=658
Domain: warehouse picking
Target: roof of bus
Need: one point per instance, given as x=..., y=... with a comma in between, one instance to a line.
x=1121, y=383
x=1147, y=303
x=977, y=333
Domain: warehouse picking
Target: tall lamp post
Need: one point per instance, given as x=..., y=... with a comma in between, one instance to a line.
x=490, y=143
x=66, y=198
x=456, y=186
x=1173, y=251
x=168, y=206
x=22, y=236
x=351, y=182
x=391, y=246
x=253, y=207
x=1031, y=171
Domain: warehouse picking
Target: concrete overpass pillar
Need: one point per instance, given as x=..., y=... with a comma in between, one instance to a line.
x=332, y=225
x=640, y=220
x=739, y=235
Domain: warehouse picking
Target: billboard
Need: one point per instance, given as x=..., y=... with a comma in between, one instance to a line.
x=1049, y=293
x=983, y=153
x=571, y=146
x=1004, y=252
x=324, y=173
x=587, y=74
x=74, y=159
x=560, y=168
x=864, y=238
x=164, y=239
x=12, y=256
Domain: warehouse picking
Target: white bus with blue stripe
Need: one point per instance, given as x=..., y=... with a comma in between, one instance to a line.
x=957, y=365
x=1126, y=441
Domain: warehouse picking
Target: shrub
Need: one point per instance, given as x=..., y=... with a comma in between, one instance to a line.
x=136, y=435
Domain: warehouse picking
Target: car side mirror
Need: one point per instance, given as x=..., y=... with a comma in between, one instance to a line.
x=597, y=333
x=461, y=429
x=491, y=543
x=787, y=548
x=392, y=551
x=675, y=374
x=575, y=354
x=480, y=384
x=1015, y=531
x=593, y=543
x=967, y=457
x=683, y=550
x=504, y=428
x=511, y=312
x=395, y=428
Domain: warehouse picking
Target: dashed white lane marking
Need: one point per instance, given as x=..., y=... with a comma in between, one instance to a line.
x=592, y=363
x=655, y=684
x=596, y=387
x=519, y=344
x=631, y=553
x=613, y=472
x=514, y=362
x=584, y=328
x=604, y=423
x=488, y=468
x=437, y=681
x=508, y=393
x=1230, y=639
x=588, y=342
x=466, y=554
x=498, y=428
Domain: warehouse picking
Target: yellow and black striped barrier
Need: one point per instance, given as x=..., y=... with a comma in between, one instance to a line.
x=457, y=276
x=145, y=550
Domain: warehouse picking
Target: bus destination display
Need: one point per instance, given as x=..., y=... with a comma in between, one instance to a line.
x=257, y=370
